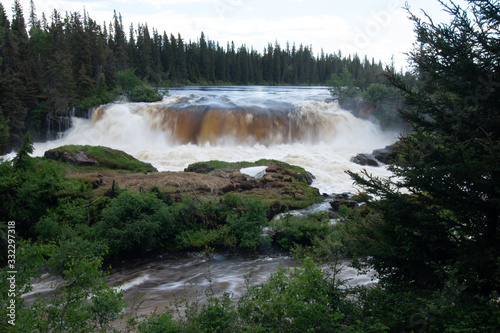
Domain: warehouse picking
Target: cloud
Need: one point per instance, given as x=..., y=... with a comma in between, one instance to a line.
x=377, y=31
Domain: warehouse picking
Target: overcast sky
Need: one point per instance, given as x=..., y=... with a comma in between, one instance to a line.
x=379, y=29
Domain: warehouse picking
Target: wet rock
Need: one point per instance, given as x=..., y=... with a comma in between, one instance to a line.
x=336, y=203
x=385, y=155
x=84, y=160
x=365, y=159
x=309, y=178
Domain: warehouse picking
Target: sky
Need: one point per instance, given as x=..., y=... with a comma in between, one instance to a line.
x=378, y=29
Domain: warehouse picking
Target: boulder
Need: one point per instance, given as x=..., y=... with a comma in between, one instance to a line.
x=385, y=155
x=83, y=160
x=365, y=159
x=79, y=158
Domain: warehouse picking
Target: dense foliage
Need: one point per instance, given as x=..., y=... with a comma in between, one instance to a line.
x=49, y=67
x=440, y=230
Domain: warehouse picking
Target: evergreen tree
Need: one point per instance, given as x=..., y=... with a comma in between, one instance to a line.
x=60, y=83
x=120, y=43
x=440, y=223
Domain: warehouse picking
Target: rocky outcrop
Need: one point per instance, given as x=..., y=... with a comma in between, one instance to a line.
x=365, y=159
x=282, y=186
x=385, y=156
x=75, y=158
x=349, y=200
x=98, y=156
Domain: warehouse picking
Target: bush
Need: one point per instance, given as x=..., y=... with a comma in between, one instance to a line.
x=145, y=93
x=291, y=229
x=296, y=300
x=202, y=238
x=248, y=227
x=73, y=248
x=160, y=323
x=134, y=223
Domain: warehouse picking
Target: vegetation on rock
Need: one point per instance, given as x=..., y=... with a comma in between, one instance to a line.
x=101, y=158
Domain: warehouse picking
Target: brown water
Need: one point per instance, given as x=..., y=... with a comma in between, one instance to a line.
x=297, y=125
x=155, y=284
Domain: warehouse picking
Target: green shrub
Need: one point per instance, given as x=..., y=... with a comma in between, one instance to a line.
x=134, y=223
x=291, y=229
x=200, y=239
x=292, y=300
x=145, y=93
x=160, y=323
x=217, y=315
x=248, y=227
x=135, y=89
x=72, y=248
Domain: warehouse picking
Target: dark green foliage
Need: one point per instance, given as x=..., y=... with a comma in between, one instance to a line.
x=145, y=93
x=449, y=164
x=136, y=90
x=23, y=161
x=82, y=302
x=160, y=323
x=71, y=248
x=134, y=223
x=98, y=95
x=217, y=314
x=290, y=230
x=297, y=300
x=4, y=133
x=342, y=85
x=438, y=235
x=368, y=99
x=28, y=189
x=248, y=227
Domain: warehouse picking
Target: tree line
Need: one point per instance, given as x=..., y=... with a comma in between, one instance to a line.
x=49, y=65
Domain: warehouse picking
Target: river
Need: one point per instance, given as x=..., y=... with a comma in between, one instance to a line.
x=297, y=125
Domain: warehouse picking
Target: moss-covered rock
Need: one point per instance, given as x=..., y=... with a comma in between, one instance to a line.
x=283, y=187
x=220, y=167
x=98, y=157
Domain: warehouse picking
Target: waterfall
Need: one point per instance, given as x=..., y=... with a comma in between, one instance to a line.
x=232, y=125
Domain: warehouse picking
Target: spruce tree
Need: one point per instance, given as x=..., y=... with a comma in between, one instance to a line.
x=441, y=211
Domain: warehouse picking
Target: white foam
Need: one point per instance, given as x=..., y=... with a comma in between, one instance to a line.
x=132, y=128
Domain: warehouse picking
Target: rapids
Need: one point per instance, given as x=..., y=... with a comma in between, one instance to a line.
x=297, y=125
x=155, y=284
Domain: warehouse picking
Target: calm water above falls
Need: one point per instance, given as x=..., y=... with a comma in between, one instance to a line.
x=298, y=125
